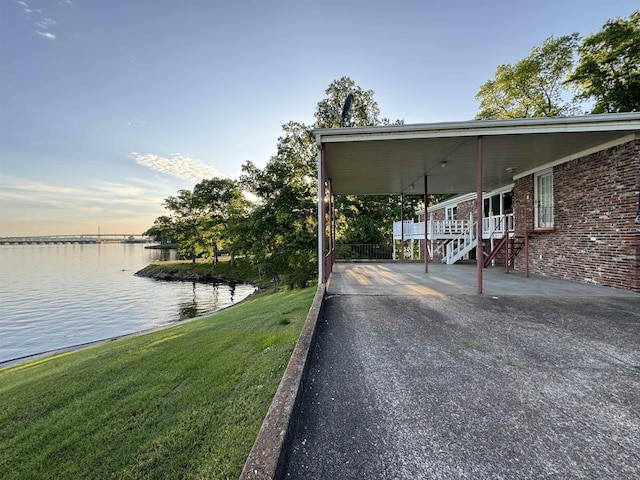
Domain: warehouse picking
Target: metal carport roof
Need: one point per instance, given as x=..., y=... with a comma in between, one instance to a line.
x=394, y=159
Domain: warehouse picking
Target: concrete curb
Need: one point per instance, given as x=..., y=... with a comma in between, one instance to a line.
x=268, y=455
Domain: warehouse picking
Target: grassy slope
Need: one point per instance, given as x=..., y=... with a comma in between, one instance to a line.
x=186, y=402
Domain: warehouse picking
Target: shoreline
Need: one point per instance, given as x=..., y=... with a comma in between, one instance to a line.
x=161, y=271
x=14, y=362
x=153, y=271
x=201, y=271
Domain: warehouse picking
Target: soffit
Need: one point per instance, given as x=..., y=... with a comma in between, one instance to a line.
x=388, y=160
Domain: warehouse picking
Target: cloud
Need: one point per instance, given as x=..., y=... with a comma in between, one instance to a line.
x=101, y=196
x=177, y=165
x=26, y=205
x=47, y=35
x=118, y=189
x=24, y=6
x=45, y=23
x=30, y=187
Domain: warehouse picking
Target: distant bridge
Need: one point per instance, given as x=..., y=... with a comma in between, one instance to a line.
x=76, y=239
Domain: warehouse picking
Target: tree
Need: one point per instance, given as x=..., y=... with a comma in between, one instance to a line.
x=368, y=219
x=534, y=86
x=162, y=230
x=190, y=225
x=281, y=230
x=364, y=110
x=278, y=232
x=224, y=205
x=361, y=219
x=608, y=69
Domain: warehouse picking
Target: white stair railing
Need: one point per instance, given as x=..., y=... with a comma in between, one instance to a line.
x=462, y=244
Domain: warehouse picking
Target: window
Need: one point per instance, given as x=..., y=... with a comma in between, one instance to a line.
x=498, y=204
x=543, y=197
x=451, y=213
x=507, y=202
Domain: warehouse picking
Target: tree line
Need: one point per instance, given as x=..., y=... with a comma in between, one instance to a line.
x=563, y=72
x=276, y=230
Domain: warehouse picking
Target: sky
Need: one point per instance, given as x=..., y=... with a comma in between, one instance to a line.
x=107, y=107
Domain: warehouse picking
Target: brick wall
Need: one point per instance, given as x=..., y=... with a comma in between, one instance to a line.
x=595, y=239
x=464, y=209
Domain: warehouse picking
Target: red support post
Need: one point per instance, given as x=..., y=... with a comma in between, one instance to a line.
x=526, y=254
x=426, y=230
x=323, y=218
x=506, y=251
x=402, y=227
x=333, y=229
x=479, y=255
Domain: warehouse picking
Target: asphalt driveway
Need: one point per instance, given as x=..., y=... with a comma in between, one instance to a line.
x=466, y=386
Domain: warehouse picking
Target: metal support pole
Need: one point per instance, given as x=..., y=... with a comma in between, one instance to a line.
x=526, y=254
x=426, y=223
x=322, y=227
x=320, y=215
x=332, y=227
x=479, y=258
x=506, y=253
x=402, y=227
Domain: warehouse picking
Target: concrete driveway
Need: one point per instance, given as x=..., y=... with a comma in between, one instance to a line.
x=453, y=385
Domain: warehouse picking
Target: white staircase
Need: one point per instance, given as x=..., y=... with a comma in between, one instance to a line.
x=452, y=239
x=459, y=246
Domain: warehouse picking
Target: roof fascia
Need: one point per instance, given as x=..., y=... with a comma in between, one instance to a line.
x=587, y=123
x=452, y=201
x=467, y=197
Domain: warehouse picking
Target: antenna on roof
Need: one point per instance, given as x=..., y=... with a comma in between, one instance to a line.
x=345, y=119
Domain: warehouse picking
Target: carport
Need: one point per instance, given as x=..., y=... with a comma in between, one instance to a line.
x=456, y=157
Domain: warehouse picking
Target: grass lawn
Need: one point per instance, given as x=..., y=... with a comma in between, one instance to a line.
x=185, y=402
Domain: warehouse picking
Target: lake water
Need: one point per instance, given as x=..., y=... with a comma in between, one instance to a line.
x=57, y=296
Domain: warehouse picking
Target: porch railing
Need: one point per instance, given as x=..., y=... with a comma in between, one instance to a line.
x=412, y=230
x=415, y=230
x=354, y=251
x=494, y=226
x=447, y=227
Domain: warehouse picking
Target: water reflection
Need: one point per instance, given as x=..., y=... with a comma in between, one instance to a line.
x=166, y=255
x=208, y=297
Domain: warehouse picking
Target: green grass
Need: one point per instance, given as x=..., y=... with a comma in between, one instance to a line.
x=185, y=402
